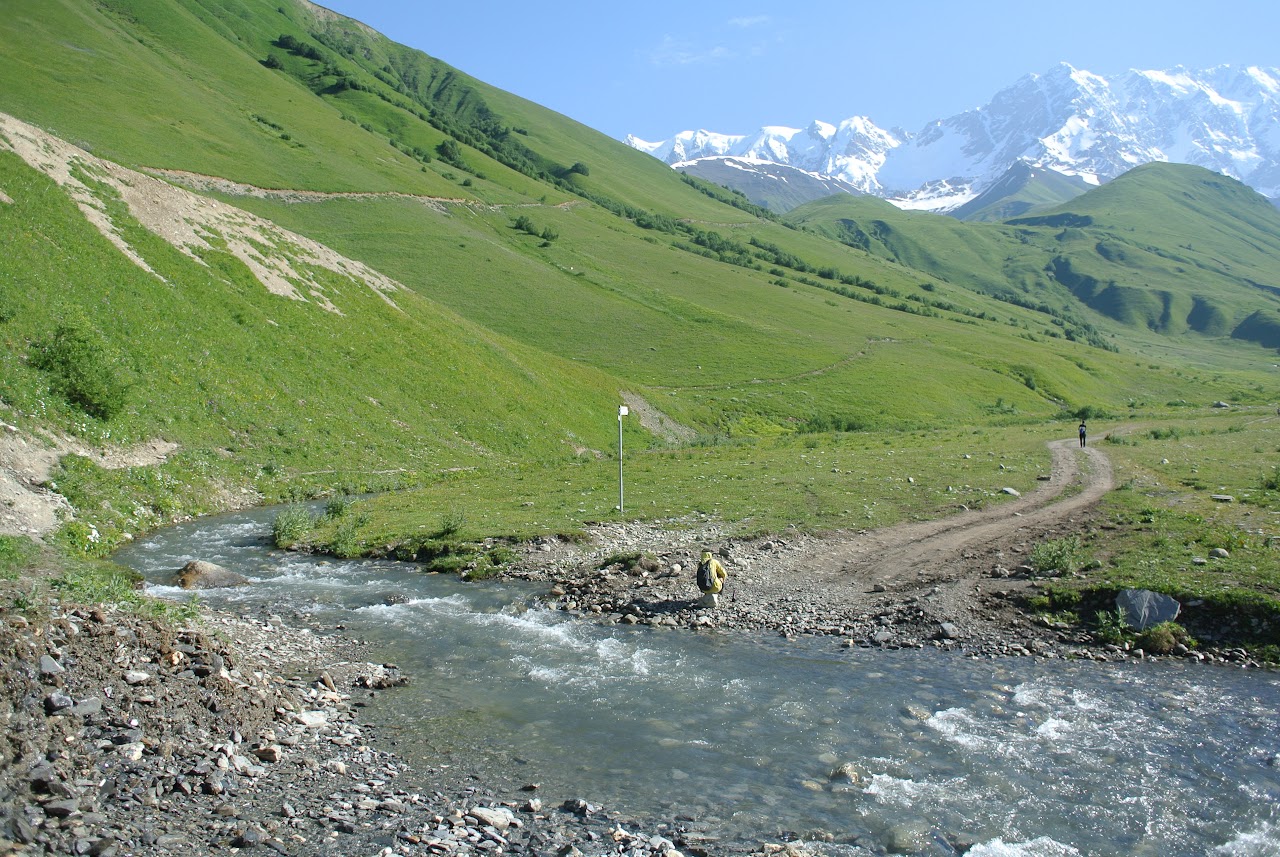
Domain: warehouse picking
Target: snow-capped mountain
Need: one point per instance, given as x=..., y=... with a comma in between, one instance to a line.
x=852, y=152
x=1073, y=122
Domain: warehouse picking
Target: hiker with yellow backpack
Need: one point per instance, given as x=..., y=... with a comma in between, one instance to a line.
x=711, y=579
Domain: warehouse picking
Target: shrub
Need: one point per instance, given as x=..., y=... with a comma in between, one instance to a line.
x=450, y=523
x=1058, y=556
x=483, y=569
x=83, y=539
x=1110, y=626
x=101, y=584
x=632, y=562
x=1163, y=638
x=290, y=526
x=346, y=542
x=625, y=559
x=489, y=564
x=336, y=508
x=502, y=555
x=451, y=153
x=1088, y=412
x=15, y=553
x=83, y=369
x=1271, y=481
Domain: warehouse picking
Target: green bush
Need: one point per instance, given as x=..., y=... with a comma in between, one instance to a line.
x=15, y=553
x=1163, y=638
x=1058, y=556
x=346, y=542
x=482, y=569
x=1270, y=481
x=632, y=562
x=1110, y=626
x=625, y=559
x=82, y=538
x=99, y=585
x=1089, y=412
x=291, y=526
x=83, y=369
x=336, y=508
x=450, y=523
x=451, y=153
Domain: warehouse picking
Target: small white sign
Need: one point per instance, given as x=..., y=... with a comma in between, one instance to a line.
x=622, y=410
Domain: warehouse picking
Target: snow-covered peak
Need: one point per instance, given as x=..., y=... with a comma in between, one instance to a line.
x=643, y=145
x=1066, y=119
x=1265, y=80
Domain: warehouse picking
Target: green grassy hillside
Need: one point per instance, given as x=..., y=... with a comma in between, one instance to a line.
x=1022, y=191
x=1165, y=249
x=776, y=187
x=544, y=272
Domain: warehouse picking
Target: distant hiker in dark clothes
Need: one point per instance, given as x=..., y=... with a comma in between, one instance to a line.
x=711, y=578
x=1082, y=434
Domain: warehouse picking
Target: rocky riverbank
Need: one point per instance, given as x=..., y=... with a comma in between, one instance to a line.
x=125, y=736
x=975, y=601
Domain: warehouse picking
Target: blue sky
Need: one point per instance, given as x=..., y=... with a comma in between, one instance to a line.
x=653, y=70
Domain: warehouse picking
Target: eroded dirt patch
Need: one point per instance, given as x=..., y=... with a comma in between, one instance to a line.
x=29, y=506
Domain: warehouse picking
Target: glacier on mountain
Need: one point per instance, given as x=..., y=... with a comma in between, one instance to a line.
x=1068, y=120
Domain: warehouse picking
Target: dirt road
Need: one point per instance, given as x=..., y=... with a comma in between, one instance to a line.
x=956, y=579
x=911, y=555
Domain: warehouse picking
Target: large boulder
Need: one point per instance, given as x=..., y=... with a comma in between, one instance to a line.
x=199, y=574
x=1144, y=608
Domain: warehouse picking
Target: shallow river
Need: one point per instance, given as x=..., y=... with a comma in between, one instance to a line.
x=1020, y=756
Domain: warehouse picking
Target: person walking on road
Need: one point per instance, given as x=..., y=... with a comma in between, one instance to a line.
x=711, y=579
x=1083, y=432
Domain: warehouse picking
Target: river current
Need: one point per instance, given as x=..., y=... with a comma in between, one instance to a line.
x=1020, y=757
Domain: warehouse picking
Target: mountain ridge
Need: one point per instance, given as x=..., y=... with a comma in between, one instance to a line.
x=1067, y=120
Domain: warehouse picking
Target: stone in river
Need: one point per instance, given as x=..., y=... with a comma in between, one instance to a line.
x=199, y=574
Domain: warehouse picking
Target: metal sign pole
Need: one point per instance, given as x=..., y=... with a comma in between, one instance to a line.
x=622, y=412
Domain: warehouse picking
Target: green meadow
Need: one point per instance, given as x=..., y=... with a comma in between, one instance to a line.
x=1187, y=485
x=819, y=482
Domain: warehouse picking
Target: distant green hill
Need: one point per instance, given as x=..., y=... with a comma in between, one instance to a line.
x=542, y=271
x=1165, y=248
x=776, y=187
x=1023, y=190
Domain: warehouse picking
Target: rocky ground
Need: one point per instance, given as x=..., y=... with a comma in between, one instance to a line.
x=125, y=736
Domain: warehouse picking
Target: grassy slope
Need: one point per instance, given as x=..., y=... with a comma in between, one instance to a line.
x=145, y=83
x=268, y=390
x=1164, y=249
x=720, y=343
x=1023, y=191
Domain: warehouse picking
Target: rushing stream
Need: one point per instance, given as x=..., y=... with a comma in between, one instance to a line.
x=1018, y=756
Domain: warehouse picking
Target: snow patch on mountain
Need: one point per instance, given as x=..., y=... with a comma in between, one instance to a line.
x=1069, y=120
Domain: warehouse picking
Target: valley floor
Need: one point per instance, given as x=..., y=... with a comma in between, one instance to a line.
x=958, y=583
x=125, y=736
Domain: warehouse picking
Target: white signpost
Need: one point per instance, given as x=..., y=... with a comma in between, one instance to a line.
x=622, y=412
